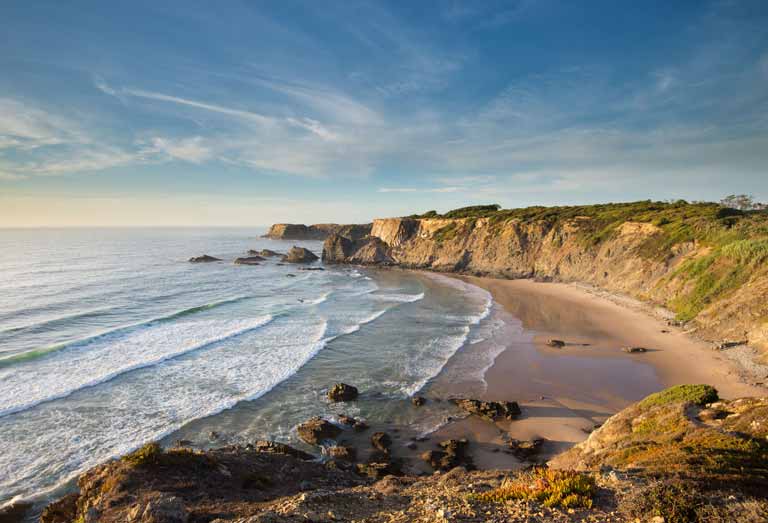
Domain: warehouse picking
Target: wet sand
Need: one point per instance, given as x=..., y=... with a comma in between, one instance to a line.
x=565, y=392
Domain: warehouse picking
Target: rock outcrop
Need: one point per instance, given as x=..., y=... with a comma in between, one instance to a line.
x=316, y=430
x=685, y=431
x=318, y=231
x=203, y=259
x=265, y=253
x=249, y=260
x=369, y=250
x=491, y=410
x=342, y=392
x=300, y=255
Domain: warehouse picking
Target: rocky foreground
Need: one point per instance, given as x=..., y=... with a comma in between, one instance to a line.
x=681, y=455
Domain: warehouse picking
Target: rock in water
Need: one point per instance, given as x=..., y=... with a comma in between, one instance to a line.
x=203, y=259
x=300, y=255
x=381, y=441
x=315, y=430
x=250, y=260
x=492, y=410
x=266, y=253
x=342, y=392
x=418, y=401
x=357, y=424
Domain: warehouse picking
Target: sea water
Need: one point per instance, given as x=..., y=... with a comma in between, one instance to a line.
x=110, y=338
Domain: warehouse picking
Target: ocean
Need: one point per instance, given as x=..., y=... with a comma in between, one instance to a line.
x=110, y=339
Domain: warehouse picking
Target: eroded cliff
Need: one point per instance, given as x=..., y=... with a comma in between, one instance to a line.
x=318, y=231
x=706, y=264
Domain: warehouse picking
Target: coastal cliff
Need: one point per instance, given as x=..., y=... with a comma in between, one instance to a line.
x=318, y=231
x=704, y=262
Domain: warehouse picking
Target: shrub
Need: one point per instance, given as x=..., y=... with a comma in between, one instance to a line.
x=674, y=500
x=552, y=488
x=698, y=394
x=148, y=454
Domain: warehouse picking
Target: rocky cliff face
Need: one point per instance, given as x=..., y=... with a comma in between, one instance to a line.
x=564, y=251
x=318, y=231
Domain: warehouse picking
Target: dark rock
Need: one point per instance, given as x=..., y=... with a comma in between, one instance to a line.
x=311, y=268
x=368, y=250
x=203, y=259
x=290, y=275
x=300, y=255
x=316, y=430
x=452, y=454
x=61, y=511
x=418, y=401
x=273, y=447
x=524, y=450
x=556, y=343
x=161, y=508
x=182, y=443
x=342, y=452
x=15, y=512
x=356, y=424
x=342, y=392
x=492, y=410
x=266, y=253
x=633, y=350
x=728, y=344
x=381, y=441
x=250, y=260
x=411, y=445
x=213, y=435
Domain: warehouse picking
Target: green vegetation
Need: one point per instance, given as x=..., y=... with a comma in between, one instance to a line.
x=552, y=488
x=674, y=500
x=737, y=239
x=697, y=394
x=148, y=454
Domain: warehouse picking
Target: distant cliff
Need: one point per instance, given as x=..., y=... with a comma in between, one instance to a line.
x=706, y=263
x=318, y=231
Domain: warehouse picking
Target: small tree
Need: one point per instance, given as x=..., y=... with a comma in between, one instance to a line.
x=742, y=202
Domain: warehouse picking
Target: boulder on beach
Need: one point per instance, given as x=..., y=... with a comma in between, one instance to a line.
x=316, y=430
x=418, y=401
x=249, y=260
x=452, y=453
x=633, y=350
x=203, y=259
x=525, y=449
x=342, y=392
x=556, y=343
x=492, y=410
x=300, y=255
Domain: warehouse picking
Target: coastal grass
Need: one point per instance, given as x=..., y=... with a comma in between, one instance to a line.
x=552, y=488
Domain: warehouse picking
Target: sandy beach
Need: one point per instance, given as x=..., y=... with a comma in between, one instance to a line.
x=565, y=392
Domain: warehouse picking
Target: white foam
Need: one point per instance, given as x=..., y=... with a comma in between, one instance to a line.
x=26, y=385
x=399, y=298
x=45, y=446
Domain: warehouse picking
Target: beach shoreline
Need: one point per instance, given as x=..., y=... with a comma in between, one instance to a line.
x=566, y=392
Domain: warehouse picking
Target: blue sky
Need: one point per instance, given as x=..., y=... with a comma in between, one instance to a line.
x=252, y=112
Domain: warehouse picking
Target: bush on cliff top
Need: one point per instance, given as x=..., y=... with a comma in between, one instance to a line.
x=552, y=488
x=697, y=394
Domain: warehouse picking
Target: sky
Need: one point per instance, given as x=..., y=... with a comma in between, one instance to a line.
x=245, y=113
